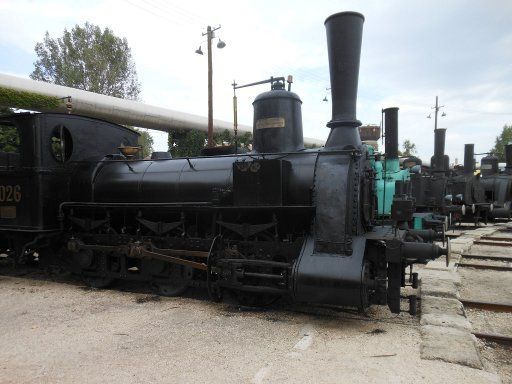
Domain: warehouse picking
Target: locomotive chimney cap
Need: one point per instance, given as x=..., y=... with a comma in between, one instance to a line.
x=347, y=13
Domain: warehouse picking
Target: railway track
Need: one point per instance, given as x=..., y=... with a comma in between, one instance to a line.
x=488, y=263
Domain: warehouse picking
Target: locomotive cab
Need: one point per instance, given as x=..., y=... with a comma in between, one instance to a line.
x=36, y=161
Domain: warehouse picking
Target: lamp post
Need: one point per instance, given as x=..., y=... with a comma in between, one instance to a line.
x=436, y=108
x=210, y=35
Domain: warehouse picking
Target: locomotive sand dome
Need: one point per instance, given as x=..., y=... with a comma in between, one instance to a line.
x=277, y=121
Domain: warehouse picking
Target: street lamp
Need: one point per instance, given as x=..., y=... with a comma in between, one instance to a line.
x=209, y=36
x=436, y=109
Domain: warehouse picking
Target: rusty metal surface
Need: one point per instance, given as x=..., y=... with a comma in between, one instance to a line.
x=486, y=266
x=493, y=243
x=488, y=306
x=494, y=337
x=496, y=238
x=486, y=257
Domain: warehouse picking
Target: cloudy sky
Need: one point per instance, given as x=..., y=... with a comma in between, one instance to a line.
x=412, y=51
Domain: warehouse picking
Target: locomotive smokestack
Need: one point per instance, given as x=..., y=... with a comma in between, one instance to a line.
x=439, y=162
x=344, y=36
x=439, y=140
x=508, y=157
x=391, y=133
x=469, y=158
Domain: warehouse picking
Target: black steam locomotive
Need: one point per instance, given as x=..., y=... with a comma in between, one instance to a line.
x=458, y=194
x=497, y=184
x=281, y=221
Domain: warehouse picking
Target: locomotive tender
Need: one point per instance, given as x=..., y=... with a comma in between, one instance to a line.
x=280, y=221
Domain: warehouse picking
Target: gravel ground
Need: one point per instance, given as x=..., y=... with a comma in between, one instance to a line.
x=62, y=332
x=491, y=286
x=500, y=356
x=485, y=285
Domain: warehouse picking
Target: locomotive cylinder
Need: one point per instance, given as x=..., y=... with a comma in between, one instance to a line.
x=277, y=122
x=391, y=133
x=469, y=158
x=345, y=27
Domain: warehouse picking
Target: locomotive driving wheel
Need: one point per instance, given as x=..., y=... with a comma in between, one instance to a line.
x=175, y=282
x=93, y=268
x=256, y=300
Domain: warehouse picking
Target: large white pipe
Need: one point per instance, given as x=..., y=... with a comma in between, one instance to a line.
x=120, y=111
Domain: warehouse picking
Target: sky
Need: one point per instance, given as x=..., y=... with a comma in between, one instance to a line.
x=412, y=51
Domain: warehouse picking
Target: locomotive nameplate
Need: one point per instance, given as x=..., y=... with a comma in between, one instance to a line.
x=8, y=212
x=271, y=122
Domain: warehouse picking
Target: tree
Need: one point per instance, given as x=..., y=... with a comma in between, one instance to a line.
x=90, y=59
x=189, y=143
x=504, y=138
x=93, y=60
x=145, y=141
x=409, y=148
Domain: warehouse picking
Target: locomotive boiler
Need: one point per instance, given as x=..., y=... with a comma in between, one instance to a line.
x=497, y=184
x=281, y=221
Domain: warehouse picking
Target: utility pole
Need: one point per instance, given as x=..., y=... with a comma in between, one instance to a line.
x=436, y=109
x=209, y=33
x=209, y=37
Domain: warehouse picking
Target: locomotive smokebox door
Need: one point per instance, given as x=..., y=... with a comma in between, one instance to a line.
x=260, y=182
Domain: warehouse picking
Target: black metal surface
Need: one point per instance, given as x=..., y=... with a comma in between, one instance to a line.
x=277, y=123
x=469, y=158
x=344, y=36
x=42, y=179
x=330, y=279
x=439, y=162
x=489, y=165
x=508, y=157
x=391, y=132
x=260, y=182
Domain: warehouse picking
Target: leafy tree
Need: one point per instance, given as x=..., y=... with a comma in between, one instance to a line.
x=93, y=60
x=504, y=138
x=189, y=143
x=90, y=59
x=409, y=148
x=186, y=143
x=5, y=110
x=9, y=137
x=145, y=141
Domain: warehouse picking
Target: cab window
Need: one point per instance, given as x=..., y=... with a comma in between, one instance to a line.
x=9, y=138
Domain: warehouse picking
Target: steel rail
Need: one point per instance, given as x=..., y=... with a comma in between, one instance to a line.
x=485, y=266
x=493, y=243
x=486, y=257
x=488, y=306
x=503, y=339
x=496, y=238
